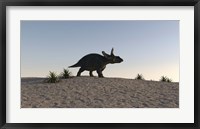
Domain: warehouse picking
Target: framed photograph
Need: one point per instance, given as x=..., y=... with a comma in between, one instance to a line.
x=99, y=64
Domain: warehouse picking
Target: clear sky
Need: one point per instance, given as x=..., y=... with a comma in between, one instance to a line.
x=150, y=48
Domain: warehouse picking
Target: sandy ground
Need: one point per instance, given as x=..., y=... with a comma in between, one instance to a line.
x=94, y=92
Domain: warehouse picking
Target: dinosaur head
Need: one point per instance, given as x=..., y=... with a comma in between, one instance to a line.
x=112, y=58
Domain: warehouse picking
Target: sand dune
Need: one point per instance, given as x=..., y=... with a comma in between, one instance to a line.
x=94, y=92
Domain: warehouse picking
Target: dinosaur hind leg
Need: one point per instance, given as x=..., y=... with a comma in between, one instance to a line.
x=80, y=71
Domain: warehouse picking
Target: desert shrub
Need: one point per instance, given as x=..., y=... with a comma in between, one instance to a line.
x=139, y=77
x=165, y=79
x=169, y=80
x=65, y=74
x=52, y=77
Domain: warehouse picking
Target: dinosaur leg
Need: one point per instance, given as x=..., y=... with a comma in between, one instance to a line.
x=80, y=71
x=91, y=75
x=100, y=74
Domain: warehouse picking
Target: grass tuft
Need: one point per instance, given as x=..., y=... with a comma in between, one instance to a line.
x=165, y=79
x=52, y=77
x=65, y=74
x=139, y=77
x=169, y=80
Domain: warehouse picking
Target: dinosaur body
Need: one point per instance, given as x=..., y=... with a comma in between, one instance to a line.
x=96, y=62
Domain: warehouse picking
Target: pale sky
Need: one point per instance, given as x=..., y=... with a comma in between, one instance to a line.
x=148, y=47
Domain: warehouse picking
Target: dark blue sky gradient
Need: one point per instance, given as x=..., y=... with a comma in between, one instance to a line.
x=147, y=47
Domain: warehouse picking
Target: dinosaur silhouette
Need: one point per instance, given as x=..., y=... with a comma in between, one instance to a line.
x=95, y=62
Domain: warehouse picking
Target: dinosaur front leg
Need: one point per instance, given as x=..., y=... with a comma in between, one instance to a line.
x=100, y=74
x=91, y=75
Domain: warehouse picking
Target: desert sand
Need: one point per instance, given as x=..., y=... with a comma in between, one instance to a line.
x=94, y=92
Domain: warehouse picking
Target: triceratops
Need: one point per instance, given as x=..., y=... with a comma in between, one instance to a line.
x=95, y=62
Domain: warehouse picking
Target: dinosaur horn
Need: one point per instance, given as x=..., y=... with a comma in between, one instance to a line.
x=112, y=51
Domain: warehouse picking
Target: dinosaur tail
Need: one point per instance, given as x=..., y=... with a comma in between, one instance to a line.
x=75, y=65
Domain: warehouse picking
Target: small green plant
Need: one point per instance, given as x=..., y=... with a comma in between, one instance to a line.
x=165, y=79
x=169, y=80
x=52, y=77
x=139, y=77
x=65, y=74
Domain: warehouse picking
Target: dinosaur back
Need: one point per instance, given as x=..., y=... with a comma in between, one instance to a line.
x=90, y=61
